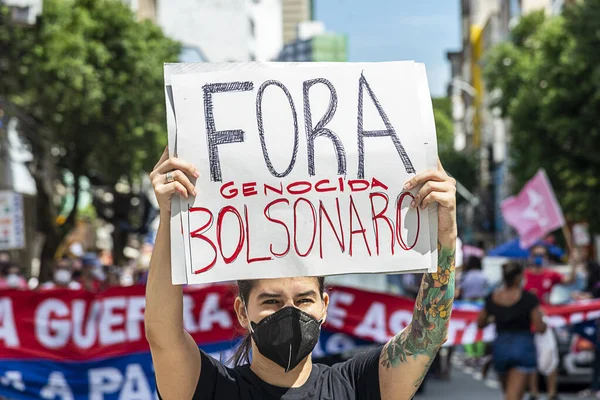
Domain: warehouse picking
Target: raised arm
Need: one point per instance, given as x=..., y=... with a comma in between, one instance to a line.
x=175, y=355
x=406, y=358
x=574, y=261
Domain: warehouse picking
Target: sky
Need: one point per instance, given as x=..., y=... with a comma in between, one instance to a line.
x=398, y=30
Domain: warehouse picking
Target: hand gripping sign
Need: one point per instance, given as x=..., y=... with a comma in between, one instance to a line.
x=302, y=169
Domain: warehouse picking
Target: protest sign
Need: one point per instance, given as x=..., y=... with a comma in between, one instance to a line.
x=12, y=227
x=302, y=170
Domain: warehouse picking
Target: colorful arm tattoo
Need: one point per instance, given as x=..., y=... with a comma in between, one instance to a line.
x=429, y=327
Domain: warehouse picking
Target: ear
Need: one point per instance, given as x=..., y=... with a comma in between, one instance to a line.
x=326, y=305
x=240, y=311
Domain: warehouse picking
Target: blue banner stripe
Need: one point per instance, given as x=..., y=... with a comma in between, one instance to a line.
x=128, y=377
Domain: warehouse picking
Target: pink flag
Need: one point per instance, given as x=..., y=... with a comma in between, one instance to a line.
x=535, y=211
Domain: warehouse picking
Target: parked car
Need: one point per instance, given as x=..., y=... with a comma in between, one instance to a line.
x=576, y=354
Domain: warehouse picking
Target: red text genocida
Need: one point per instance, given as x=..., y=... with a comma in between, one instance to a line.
x=385, y=215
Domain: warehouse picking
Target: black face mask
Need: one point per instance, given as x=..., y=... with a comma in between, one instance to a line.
x=287, y=336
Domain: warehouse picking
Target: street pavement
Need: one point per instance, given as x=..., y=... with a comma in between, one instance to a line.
x=464, y=386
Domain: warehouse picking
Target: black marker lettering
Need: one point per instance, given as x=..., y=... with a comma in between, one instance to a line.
x=389, y=131
x=261, y=129
x=214, y=137
x=320, y=130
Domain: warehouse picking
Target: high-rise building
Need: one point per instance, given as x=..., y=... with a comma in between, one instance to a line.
x=145, y=9
x=330, y=47
x=528, y=6
x=552, y=7
x=295, y=12
x=224, y=30
x=24, y=11
x=266, y=27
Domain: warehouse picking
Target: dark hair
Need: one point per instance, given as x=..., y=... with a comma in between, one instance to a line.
x=242, y=352
x=473, y=263
x=510, y=273
x=593, y=270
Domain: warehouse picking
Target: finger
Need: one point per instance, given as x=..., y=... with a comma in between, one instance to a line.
x=163, y=157
x=444, y=199
x=182, y=178
x=427, y=188
x=440, y=166
x=174, y=163
x=178, y=176
x=429, y=175
x=173, y=187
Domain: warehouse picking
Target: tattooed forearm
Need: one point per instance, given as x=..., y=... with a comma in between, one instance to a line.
x=429, y=327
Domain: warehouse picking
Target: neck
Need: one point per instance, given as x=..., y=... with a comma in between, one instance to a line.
x=273, y=374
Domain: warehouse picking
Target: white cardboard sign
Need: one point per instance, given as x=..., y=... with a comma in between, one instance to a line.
x=302, y=169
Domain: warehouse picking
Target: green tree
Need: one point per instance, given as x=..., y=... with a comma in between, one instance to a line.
x=89, y=77
x=549, y=75
x=462, y=166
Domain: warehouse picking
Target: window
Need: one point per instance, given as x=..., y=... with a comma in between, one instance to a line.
x=20, y=15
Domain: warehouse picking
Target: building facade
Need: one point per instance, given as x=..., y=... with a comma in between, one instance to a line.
x=294, y=12
x=478, y=127
x=24, y=11
x=145, y=9
x=326, y=47
x=266, y=29
x=224, y=30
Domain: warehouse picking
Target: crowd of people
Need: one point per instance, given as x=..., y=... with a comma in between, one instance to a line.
x=515, y=308
x=85, y=271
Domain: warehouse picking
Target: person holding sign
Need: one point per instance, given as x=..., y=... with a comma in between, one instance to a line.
x=283, y=317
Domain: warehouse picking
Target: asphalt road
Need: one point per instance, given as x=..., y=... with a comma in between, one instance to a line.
x=464, y=386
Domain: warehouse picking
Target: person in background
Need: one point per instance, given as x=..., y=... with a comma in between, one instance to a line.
x=12, y=277
x=592, y=291
x=113, y=276
x=5, y=257
x=591, y=272
x=62, y=277
x=474, y=287
x=5, y=261
x=92, y=273
x=514, y=311
x=540, y=280
x=140, y=275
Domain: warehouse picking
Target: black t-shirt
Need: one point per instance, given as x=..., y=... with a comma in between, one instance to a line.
x=515, y=318
x=355, y=379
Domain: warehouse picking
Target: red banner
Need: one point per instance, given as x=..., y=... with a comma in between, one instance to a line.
x=77, y=326
x=378, y=316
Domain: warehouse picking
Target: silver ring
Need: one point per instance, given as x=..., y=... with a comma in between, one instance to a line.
x=169, y=177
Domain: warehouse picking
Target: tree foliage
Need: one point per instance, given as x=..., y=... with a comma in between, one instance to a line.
x=90, y=76
x=549, y=76
x=461, y=166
